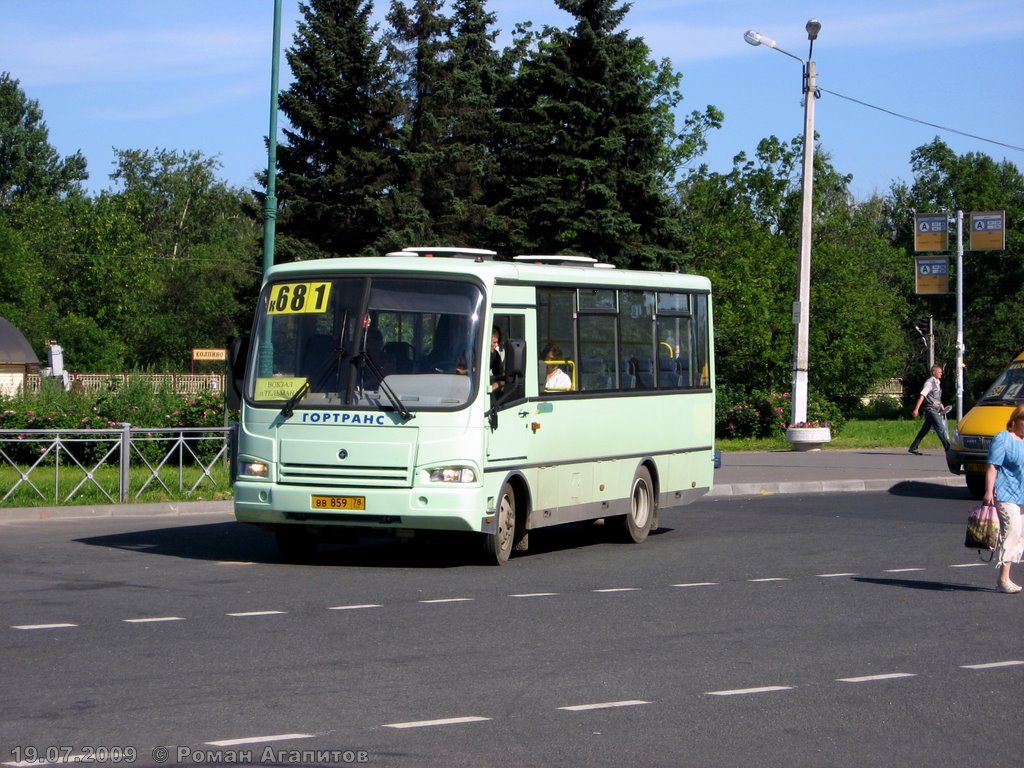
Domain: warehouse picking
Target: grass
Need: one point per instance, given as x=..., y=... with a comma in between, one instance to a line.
x=108, y=478
x=898, y=433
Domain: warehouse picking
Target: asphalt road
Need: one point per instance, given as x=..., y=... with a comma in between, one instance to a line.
x=828, y=630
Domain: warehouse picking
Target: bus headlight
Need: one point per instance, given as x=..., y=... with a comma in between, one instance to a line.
x=452, y=475
x=253, y=469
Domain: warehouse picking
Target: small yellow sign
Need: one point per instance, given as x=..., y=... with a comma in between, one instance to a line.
x=209, y=354
x=277, y=387
x=932, y=275
x=988, y=231
x=931, y=232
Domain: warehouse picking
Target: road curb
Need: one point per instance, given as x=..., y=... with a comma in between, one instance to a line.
x=163, y=509
x=826, y=486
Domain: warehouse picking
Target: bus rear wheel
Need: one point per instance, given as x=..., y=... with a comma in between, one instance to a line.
x=642, y=507
x=498, y=545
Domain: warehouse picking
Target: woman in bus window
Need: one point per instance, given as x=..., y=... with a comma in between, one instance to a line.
x=556, y=378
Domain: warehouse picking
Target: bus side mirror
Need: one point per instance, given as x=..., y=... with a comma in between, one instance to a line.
x=515, y=360
x=238, y=354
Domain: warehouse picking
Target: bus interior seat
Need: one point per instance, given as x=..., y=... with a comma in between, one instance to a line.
x=595, y=374
x=645, y=373
x=403, y=355
x=318, y=350
x=627, y=374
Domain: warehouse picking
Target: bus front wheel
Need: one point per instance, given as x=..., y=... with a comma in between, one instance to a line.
x=498, y=545
x=637, y=524
x=976, y=484
x=295, y=545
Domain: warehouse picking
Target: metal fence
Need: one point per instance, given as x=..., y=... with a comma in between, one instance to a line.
x=58, y=465
x=179, y=383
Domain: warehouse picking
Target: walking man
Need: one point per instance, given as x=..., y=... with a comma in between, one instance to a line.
x=934, y=414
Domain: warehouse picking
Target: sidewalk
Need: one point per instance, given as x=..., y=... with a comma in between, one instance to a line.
x=830, y=471
x=754, y=473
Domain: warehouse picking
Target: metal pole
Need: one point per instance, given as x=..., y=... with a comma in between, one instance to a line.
x=959, y=316
x=802, y=307
x=270, y=210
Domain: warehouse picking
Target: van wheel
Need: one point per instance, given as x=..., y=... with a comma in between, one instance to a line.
x=642, y=507
x=296, y=545
x=976, y=484
x=498, y=545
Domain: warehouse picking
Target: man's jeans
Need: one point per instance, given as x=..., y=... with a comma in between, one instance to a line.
x=933, y=420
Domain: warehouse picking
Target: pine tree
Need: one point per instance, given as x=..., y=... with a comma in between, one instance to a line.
x=339, y=164
x=587, y=143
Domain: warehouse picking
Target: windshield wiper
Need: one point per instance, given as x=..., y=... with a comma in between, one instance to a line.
x=396, y=401
x=289, y=406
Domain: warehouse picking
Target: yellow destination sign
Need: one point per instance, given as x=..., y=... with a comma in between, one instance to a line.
x=277, y=387
x=931, y=232
x=209, y=354
x=988, y=231
x=932, y=275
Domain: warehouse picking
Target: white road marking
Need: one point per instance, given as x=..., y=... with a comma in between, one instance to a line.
x=260, y=739
x=444, y=721
x=535, y=594
x=834, y=575
x=42, y=626
x=761, y=581
x=903, y=570
x=698, y=584
x=352, y=607
x=970, y=565
x=744, y=691
x=450, y=600
x=993, y=665
x=617, y=589
x=604, y=705
x=256, y=613
x=873, y=678
x=152, y=619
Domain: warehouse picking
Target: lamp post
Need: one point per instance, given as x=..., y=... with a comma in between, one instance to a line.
x=801, y=308
x=270, y=207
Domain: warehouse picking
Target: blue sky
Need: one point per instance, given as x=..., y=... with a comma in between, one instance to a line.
x=195, y=74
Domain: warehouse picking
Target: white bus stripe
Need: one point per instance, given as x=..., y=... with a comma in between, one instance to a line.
x=993, y=665
x=535, y=594
x=443, y=721
x=744, y=691
x=152, y=619
x=604, y=705
x=872, y=678
x=260, y=739
x=449, y=600
x=698, y=584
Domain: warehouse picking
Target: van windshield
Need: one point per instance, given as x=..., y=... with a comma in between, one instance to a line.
x=1008, y=389
x=365, y=341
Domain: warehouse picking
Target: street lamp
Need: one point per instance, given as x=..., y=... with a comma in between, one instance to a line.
x=801, y=308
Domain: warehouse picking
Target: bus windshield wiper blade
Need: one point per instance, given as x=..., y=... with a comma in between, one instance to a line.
x=395, y=400
x=289, y=406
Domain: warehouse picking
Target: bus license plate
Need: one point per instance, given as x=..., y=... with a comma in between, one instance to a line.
x=974, y=467
x=338, y=502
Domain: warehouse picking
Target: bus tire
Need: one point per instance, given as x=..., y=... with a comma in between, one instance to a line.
x=498, y=545
x=642, y=507
x=295, y=545
x=976, y=484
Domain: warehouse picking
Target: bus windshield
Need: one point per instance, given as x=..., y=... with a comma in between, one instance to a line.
x=1008, y=389
x=396, y=343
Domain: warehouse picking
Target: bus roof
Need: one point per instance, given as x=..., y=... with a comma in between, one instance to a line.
x=491, y=270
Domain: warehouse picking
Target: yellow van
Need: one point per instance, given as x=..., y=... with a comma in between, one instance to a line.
x=968, y=450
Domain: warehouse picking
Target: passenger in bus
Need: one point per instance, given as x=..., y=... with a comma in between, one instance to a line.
x=375, y=351
x=556, y=378
x=497, y=362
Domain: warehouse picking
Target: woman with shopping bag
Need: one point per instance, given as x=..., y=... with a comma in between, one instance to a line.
x=1004, y=487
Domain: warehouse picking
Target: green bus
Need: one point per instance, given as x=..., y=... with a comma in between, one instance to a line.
x=443, y=389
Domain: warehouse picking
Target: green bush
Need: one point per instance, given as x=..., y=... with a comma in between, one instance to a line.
x=762, y=414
